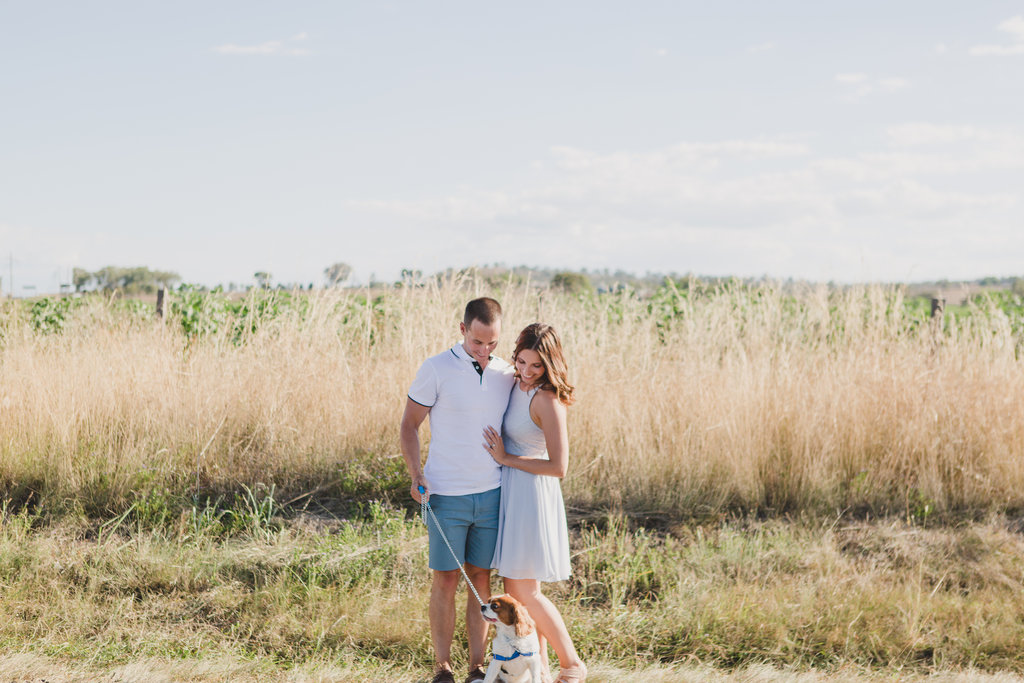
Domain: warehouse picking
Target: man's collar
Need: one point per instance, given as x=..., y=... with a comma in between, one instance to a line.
x=460, y=353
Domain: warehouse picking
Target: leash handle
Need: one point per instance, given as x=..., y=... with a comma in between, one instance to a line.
x=424, y=509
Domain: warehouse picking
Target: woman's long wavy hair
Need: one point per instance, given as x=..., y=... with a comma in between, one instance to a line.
x=544, y=340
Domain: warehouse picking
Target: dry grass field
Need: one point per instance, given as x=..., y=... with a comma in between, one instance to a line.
x=765, y=485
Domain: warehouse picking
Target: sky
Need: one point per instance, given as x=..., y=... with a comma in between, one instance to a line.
x=829, y=141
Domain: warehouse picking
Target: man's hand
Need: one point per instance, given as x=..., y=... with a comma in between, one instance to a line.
x=419, y=491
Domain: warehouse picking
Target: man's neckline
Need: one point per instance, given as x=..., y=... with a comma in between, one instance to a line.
x=465, y=354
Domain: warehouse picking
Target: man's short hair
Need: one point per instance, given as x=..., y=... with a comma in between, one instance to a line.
x=484, y=309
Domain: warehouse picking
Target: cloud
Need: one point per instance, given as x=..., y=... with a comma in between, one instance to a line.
x=761, y=47
x=692, y=156
x=952, y=149
x=913, y=199
x=923, y=133
x=1015, y=27
x=857, y=85
x=851, y=78
x=744, y=206
x=999, y=50
x=893, y=84
x=268, y=48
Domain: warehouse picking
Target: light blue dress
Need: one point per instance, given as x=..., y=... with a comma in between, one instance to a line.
x=533, y=537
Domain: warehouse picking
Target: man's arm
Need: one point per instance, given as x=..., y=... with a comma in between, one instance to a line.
x=410, y=439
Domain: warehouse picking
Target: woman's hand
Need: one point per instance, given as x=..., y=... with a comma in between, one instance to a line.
x=495, y=446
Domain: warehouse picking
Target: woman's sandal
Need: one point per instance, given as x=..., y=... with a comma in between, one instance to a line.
x=573, y=674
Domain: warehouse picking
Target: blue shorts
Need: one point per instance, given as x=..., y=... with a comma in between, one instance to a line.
x=471, y=524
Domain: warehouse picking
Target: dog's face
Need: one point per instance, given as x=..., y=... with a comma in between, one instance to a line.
x=510, y=612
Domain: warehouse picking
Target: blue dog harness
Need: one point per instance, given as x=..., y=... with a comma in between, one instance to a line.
x=509, y=659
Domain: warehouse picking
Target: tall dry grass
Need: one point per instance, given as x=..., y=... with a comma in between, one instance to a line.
x=833, y=400
x=695, y=403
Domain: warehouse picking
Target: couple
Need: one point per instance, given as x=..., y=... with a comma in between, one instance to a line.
x=511, y=518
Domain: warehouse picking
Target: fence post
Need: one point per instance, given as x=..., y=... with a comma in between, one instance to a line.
x=160, y=303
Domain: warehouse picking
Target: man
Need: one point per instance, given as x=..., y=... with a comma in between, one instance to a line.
x=463, y=389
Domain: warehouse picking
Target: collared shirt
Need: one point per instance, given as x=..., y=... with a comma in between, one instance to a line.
x=462, y=403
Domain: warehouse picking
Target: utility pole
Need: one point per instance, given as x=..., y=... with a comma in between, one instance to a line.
x=11, y=285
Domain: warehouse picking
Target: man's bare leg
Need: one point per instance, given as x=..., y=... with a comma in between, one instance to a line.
x=442, y=615
x=476, y=627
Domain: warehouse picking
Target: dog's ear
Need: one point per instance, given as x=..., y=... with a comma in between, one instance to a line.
x=524, y=622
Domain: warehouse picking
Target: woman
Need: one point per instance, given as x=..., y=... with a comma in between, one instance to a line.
x=533, y=448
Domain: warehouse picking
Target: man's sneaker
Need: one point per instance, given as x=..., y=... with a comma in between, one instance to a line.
x=443, y=676
x=476, y=674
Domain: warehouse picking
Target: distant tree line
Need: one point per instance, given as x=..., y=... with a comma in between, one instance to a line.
x=136, y=280
x=335, y=275
x=142, y=280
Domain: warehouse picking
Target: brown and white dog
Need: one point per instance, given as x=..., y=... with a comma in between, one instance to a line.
x=515, y=650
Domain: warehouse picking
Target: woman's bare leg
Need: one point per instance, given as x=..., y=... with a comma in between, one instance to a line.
x=549, y=621
x=545, y=665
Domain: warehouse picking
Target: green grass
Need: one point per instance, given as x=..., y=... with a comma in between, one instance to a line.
x=267, y=592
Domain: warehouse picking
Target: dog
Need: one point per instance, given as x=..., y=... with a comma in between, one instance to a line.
x=515, y=649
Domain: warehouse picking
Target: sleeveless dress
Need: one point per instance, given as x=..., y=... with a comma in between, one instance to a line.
x=533, y=537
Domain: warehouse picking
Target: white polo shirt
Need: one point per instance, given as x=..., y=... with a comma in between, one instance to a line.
x=462, y=402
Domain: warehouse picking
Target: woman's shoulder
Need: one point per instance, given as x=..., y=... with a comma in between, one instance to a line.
x=546, y=398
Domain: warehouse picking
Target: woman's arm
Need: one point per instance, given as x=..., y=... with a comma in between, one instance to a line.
x=551, y=416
